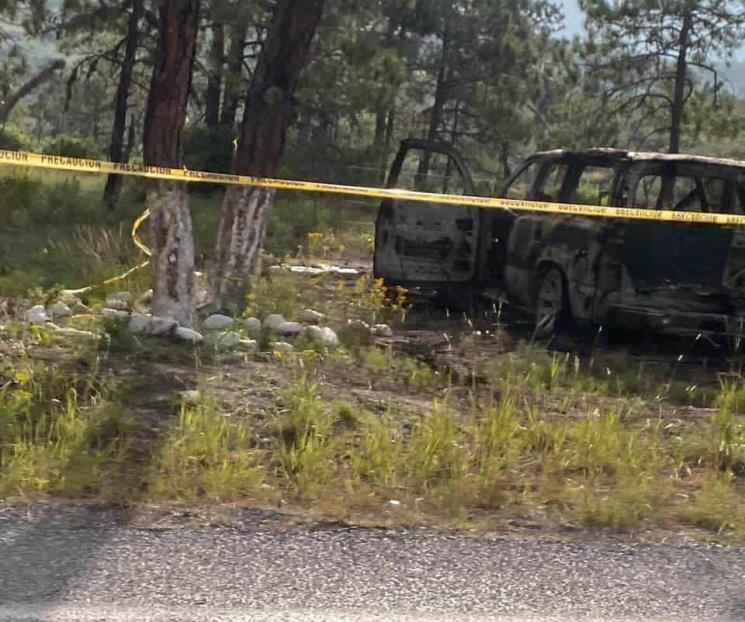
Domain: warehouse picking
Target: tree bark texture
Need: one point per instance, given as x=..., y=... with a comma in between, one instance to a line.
x=172, y=261
x=117, y=151
x=234, y=77
x=681, y=74
x=239, y=242
x=266, y=118
x=379, y=146
x=214, y=80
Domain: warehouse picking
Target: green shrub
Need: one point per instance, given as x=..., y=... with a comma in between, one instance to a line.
x=71, y=146
x=293, y=217
x=13, y=139
x=208, y=149
x=19, y=197
x=207, y=456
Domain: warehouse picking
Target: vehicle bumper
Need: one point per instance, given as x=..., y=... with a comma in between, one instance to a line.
x=680, y=323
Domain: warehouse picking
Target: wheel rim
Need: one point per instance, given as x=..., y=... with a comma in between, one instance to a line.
x=550, y=303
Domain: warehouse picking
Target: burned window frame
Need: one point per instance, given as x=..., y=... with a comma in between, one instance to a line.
x=670, y=170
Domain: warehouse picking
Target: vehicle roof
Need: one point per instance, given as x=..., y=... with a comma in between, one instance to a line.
x=639, y=156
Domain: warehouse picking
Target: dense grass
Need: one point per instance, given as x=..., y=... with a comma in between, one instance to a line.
x=538, y=438
x=57, y=232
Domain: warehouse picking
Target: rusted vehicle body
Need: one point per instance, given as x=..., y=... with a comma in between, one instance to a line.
x=682, y=278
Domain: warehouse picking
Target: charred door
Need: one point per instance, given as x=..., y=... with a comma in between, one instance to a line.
x=419, y=243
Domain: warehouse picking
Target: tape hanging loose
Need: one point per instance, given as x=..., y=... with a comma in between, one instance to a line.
x=82, y=165
x=112, y=280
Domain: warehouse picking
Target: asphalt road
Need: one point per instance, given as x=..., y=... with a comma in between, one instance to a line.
x=71, y=564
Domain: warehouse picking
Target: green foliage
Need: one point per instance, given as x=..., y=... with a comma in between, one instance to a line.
x=72, y=146
x=206, y=457
x=23, y=200
x=304, y=430
x=276, y=293
x=58, y=433
x=650, y=58
x=207, y=149
x=293, y=217
x=13, y=139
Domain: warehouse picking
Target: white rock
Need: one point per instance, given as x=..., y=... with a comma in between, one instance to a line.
x=191, y=398
x=282, y=346
x=314, y=332
x=115, y=314
x=225, y=341
x=217, y=322
x=344, y=271
x=253, y=325
x=309, y=316
x=274, y=321
x=160, y=326
x=187, y=334
x=58, y=309
x=304, y=269
x=330, y=338
x=151, y=325
x=146, y=299
x=119, y=300
x=139, y=323
x=250, y=345
x=290, y=328
x=36, y=315
x=382, y=330
x=360, y=324
x=324, y=336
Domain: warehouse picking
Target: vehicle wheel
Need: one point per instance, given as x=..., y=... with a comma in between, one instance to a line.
x=552, y=307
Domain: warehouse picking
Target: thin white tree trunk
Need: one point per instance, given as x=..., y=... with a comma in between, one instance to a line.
x=172, y=261
x=240, y=239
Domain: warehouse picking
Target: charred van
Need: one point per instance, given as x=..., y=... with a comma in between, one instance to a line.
x=673, y=277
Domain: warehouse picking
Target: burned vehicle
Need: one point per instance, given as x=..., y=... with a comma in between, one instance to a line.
x=677, y=277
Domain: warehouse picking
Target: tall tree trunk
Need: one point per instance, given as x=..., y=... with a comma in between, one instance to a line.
x=172, y=261
x=681, y=74
x=390, y=127
x=266, y=119
x=116, y=145
x=378, y=146
x=234, y=78
x=435, y=117
x=504, y=158
x=214, y=81
x=130, y=139
x=12, y=98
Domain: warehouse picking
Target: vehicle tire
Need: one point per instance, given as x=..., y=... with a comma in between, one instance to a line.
x=552, y=313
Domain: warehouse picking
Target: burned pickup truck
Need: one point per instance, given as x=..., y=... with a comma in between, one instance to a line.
x=682, y=278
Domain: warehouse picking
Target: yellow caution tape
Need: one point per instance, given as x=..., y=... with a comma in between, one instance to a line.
x=110, y=281
x=23, y=158
x=136, y=238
